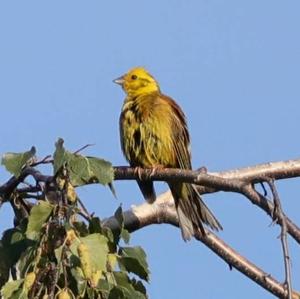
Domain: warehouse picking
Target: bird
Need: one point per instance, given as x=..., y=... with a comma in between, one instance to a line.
x=154, y=134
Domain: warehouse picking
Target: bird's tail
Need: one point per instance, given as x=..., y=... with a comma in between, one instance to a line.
x=192, y=211
x=147, y=189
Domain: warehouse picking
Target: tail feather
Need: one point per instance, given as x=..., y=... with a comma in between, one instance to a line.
x=192, y=211
x=206, y=214
x=147, y=189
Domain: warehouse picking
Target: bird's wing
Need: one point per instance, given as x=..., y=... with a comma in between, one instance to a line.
x=180, y=136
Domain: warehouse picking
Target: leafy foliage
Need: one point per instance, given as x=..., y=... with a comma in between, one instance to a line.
x=14, y=162
x=39, y=215
x=133, y=259
x=82, y=170
x=55, y=252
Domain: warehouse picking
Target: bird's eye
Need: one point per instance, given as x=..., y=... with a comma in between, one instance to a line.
x=134, y=77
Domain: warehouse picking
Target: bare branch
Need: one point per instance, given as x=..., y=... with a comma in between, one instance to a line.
x=7, y=188
x=163, y=211
x=238, y=180
x=82, y=148
x=255, y=174
x=45, y=160
x=266, y=205
x=278, y=214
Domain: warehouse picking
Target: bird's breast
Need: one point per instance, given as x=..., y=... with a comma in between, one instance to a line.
x=146, y=135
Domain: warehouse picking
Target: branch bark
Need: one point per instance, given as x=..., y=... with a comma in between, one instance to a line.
x=240, y=180
x=163, y=211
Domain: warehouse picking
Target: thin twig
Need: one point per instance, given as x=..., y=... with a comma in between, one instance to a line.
x=63, y=258
x=53, y=279
x=82, y=148
x=83, y=215
x=46, y=160
x=31, y=189
x=278, y=213
x=86, y=212
x=33, y=196
x=264, y=188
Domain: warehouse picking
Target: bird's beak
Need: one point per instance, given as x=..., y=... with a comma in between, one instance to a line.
x=119, y=80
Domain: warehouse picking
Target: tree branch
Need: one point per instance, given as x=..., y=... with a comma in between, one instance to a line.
x=239, y=180
x=255, y=174
x=163, y=211
x=266, y=205
x=7, y=188
x=278, y=214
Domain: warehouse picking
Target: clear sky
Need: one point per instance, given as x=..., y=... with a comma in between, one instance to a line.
x=233, y=66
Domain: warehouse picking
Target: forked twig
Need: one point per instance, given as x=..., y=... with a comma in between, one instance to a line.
x=278, y=214
x=45, y=160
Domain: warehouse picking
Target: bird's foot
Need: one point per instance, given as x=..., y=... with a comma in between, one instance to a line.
x=139, y=172
x=155, y=169
x=142, y=175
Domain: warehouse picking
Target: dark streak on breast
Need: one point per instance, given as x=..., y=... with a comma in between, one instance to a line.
x=137, y=137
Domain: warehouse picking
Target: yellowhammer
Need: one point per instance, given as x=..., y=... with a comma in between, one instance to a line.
x=154, y=133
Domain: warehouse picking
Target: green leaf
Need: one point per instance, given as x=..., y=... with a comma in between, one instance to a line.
x=107, y=232
x=85, y=170
x=125, y=235
x=138, y=285
x=81, y=282
x=124, y=288
x=104, y=287
x=98, y=248
x=39, y=215
x=26, y=258
x=102, y=170
x=10, y=287
x=14, y=162
x=119, y=216
x=59, y=156
x=116, y=293
x=121, y=231
x=14, y=244
x=112, y=189
x=79, y=170
x=133, y=259
x=4, y=266
x=58, y=254
x=95, y=225
x=81, y=228
x=19, y=294
x=90, y=293
x=82, y=169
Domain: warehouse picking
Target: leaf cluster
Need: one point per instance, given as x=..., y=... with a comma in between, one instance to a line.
x=58, y=250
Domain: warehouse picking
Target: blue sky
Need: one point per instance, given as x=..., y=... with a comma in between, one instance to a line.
x=233, y=66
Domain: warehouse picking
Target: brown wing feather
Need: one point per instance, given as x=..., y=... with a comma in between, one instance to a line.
x=192, y=211
x=180, y=136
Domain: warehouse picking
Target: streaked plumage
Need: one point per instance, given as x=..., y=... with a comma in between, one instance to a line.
x=153, y=133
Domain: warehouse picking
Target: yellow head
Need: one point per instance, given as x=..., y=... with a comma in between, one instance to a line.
x=137, y=82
